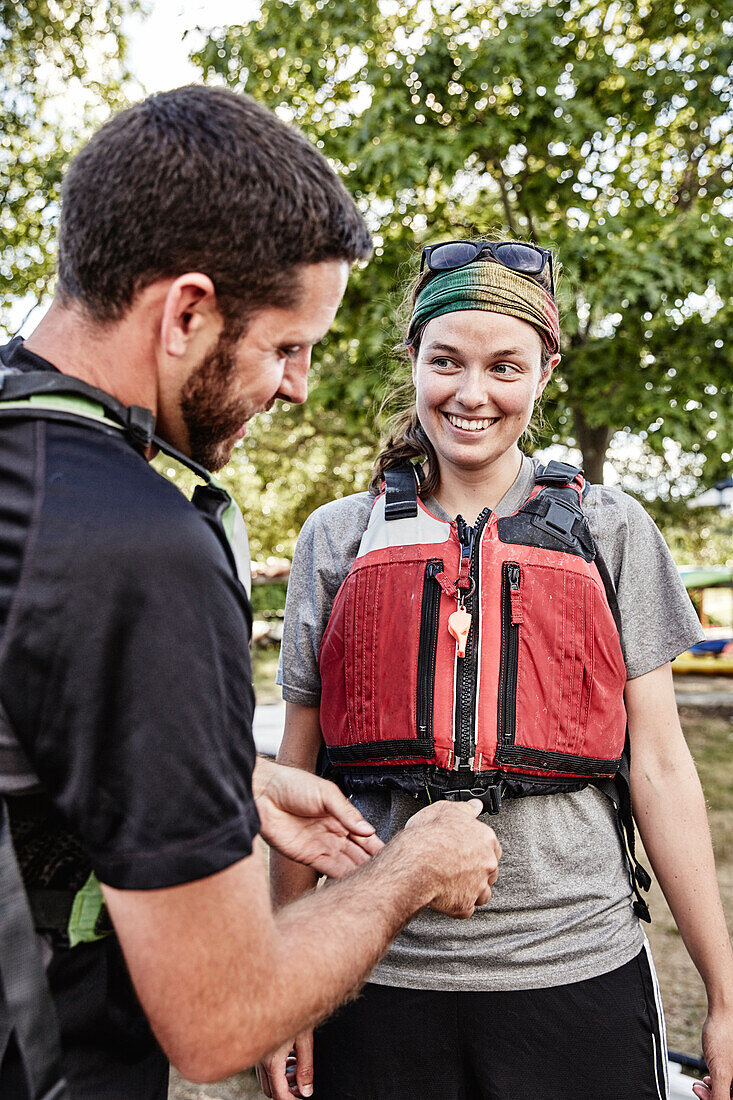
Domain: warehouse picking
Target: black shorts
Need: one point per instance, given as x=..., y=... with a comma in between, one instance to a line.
x=600, y=1039
x=108, y=1049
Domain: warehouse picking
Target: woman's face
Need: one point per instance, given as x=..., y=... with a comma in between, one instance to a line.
x=477, y=376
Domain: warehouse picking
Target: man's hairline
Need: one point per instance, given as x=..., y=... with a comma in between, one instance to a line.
x=246, y=315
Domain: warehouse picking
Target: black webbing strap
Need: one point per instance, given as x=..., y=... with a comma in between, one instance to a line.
x=400, y=492
x=619, y=788
x=138, y=423
x=27, y=1015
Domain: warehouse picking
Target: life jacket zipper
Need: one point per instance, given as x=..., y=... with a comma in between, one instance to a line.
x=428, y=646
x=467, y=667
x=511, y=582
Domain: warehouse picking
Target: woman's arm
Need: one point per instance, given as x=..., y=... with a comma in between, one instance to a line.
x=299, y=748
x=669, y=808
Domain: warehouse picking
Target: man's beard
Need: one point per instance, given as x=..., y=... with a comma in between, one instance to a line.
x=211, y=415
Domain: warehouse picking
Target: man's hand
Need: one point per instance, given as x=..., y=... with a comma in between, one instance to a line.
x=309, y=820
x=461, y=852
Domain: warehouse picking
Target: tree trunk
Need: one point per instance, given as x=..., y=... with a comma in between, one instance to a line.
x=593, y=442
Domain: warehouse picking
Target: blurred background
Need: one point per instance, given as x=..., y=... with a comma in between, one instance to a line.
x=601, y=130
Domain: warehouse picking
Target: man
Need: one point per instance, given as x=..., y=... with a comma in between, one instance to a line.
x=204, y=249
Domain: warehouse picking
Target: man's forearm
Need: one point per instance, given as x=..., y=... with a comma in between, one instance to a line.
x=323, y=948
x=223, y=980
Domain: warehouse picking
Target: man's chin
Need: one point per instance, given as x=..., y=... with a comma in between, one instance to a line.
x=214, y=456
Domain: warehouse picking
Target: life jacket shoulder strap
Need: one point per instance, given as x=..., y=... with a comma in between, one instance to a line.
x=61, y=396
x=81, y=399
x=400, y=492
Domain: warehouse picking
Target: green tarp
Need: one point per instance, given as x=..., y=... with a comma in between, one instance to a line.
x=715, y=576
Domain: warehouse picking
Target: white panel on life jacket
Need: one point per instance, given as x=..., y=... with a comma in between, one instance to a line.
x=413, y=531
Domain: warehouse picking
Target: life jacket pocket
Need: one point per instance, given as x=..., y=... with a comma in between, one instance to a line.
x=377, y=663
x=560, y=675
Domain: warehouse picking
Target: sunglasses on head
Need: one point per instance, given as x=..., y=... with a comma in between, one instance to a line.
x=526, y=259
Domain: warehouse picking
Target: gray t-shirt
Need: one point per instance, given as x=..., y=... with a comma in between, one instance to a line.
x=561, y=910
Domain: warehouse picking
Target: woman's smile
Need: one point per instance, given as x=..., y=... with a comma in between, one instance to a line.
x=472, y=425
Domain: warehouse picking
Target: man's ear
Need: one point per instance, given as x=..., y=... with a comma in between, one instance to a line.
x=189, y=312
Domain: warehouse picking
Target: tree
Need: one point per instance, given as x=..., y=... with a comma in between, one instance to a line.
x=60, y=60
x=601, y=129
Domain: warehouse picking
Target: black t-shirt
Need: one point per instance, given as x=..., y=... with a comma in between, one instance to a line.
x=124, y=653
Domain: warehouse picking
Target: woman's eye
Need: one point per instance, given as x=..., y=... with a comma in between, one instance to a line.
x=442, y=363
x=504, y=368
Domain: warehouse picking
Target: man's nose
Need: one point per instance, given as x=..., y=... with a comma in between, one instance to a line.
x=294, y=386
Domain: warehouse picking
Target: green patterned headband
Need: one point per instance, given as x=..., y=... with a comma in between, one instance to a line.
x=493, y=287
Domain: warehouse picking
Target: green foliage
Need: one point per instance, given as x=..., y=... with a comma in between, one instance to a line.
x=60, y=60
x=601, y=129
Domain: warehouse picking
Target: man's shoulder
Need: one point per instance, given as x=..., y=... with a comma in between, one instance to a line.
x=125, y=508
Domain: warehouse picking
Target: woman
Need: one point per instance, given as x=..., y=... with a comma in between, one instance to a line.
x=548, y=991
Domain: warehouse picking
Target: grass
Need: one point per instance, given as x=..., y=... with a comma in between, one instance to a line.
x=710, y=737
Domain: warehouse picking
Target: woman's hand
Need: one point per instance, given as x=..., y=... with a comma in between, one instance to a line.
x=310, y=821
x=288, y=1071
x=717, y=1045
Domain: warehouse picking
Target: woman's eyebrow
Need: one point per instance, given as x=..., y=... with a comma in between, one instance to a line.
x=501, y=352
x=435, y=346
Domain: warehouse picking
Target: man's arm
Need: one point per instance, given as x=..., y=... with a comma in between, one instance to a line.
x=669, y=808
x=223, y=980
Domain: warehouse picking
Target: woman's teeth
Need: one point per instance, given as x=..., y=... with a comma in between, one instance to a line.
x=469, y=425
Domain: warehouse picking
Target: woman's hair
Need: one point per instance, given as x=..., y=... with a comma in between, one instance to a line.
x=403, y=437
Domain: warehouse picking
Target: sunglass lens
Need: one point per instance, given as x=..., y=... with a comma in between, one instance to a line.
x=453, y=254
x=520, y=258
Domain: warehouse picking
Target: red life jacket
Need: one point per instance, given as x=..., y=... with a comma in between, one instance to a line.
x=533, y=705
x=538, y=697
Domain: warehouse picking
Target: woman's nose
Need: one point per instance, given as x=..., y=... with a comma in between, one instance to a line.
x=472, y=392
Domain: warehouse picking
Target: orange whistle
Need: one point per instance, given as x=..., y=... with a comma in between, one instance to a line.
x=459, y=625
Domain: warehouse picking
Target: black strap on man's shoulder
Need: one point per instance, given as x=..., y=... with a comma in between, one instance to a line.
x=137, y=422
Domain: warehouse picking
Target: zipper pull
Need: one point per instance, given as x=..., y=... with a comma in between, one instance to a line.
x=465, y=537
x=514, y=575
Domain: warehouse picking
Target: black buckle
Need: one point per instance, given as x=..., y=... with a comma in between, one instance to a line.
x=490, y=797
x=641, y=909
x=558, y=521
x=557, y=473
x=140, y=425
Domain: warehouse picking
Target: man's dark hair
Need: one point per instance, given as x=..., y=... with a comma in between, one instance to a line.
x=200, y=179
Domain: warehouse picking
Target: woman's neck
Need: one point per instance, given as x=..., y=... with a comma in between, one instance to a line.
x=467, y=492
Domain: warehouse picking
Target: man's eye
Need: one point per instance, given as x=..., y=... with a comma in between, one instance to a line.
x=290, y=353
